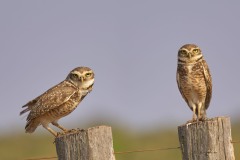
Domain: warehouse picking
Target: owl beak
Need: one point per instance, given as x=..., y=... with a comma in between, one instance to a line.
x=81, y=78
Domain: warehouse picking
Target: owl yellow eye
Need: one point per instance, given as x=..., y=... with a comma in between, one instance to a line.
x=88, y=74
x=196, y=51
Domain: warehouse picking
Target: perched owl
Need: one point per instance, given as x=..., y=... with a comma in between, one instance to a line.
x=194, y=80
x=59, y=100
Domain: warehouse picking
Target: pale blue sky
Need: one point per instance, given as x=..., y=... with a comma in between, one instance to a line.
x=132, y=47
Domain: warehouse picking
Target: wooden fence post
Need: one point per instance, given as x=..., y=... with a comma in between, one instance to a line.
x=92, y=144
x=208, y=140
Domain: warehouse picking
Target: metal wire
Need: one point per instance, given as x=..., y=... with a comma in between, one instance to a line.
x=125, y=152
x=146, y=150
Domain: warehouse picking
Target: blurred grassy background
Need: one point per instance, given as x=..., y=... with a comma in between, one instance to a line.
x=20, y=146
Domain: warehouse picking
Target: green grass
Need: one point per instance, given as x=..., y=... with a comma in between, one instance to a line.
x=153, y=140
x=24, y=146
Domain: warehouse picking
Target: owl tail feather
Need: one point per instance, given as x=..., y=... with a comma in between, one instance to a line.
x=31, y=126
x=24, y=111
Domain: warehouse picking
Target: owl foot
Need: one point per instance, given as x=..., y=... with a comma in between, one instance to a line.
x=75, y=130
x=59, y=134
x=203, y=119
x=193, y=120
x=190, y=121
x=70, y=131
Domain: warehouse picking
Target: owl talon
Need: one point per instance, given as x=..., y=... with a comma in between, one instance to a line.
x=59, y=134
x=63, y=133
x=74, y=131
x=68, y=132
x=190, y=121
x=194, y=118
x=203, y=119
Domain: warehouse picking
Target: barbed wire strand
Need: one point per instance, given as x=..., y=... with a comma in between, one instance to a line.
x=235, y=141
x=124, y=152
x=146, y=150
x=42, y=158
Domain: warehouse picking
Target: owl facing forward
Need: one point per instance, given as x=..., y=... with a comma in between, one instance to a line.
x=59, y=101
x=194, y=80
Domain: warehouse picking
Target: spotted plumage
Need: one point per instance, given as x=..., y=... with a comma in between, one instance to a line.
x=59, y=100
x=194, y=80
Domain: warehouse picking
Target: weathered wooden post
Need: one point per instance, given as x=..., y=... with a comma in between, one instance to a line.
x=208, y=140
x=92, y=144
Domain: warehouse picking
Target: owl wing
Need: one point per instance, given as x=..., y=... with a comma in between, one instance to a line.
x=51, y=99
x=208, y=81
x=180, y=88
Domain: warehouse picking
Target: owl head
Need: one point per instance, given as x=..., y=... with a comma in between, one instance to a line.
x=81, y=77
x=189, y=53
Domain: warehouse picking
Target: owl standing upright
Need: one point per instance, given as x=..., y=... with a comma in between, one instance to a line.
x=59, y=101
x=194, y=80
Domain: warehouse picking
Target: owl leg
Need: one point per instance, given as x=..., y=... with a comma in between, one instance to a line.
x=55, y=123
x=201, y=112
x=50, y=130
x=194, y=118
x=199, y=106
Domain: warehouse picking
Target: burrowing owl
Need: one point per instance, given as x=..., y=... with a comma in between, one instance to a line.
x=194, y=80
x=59, y=100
